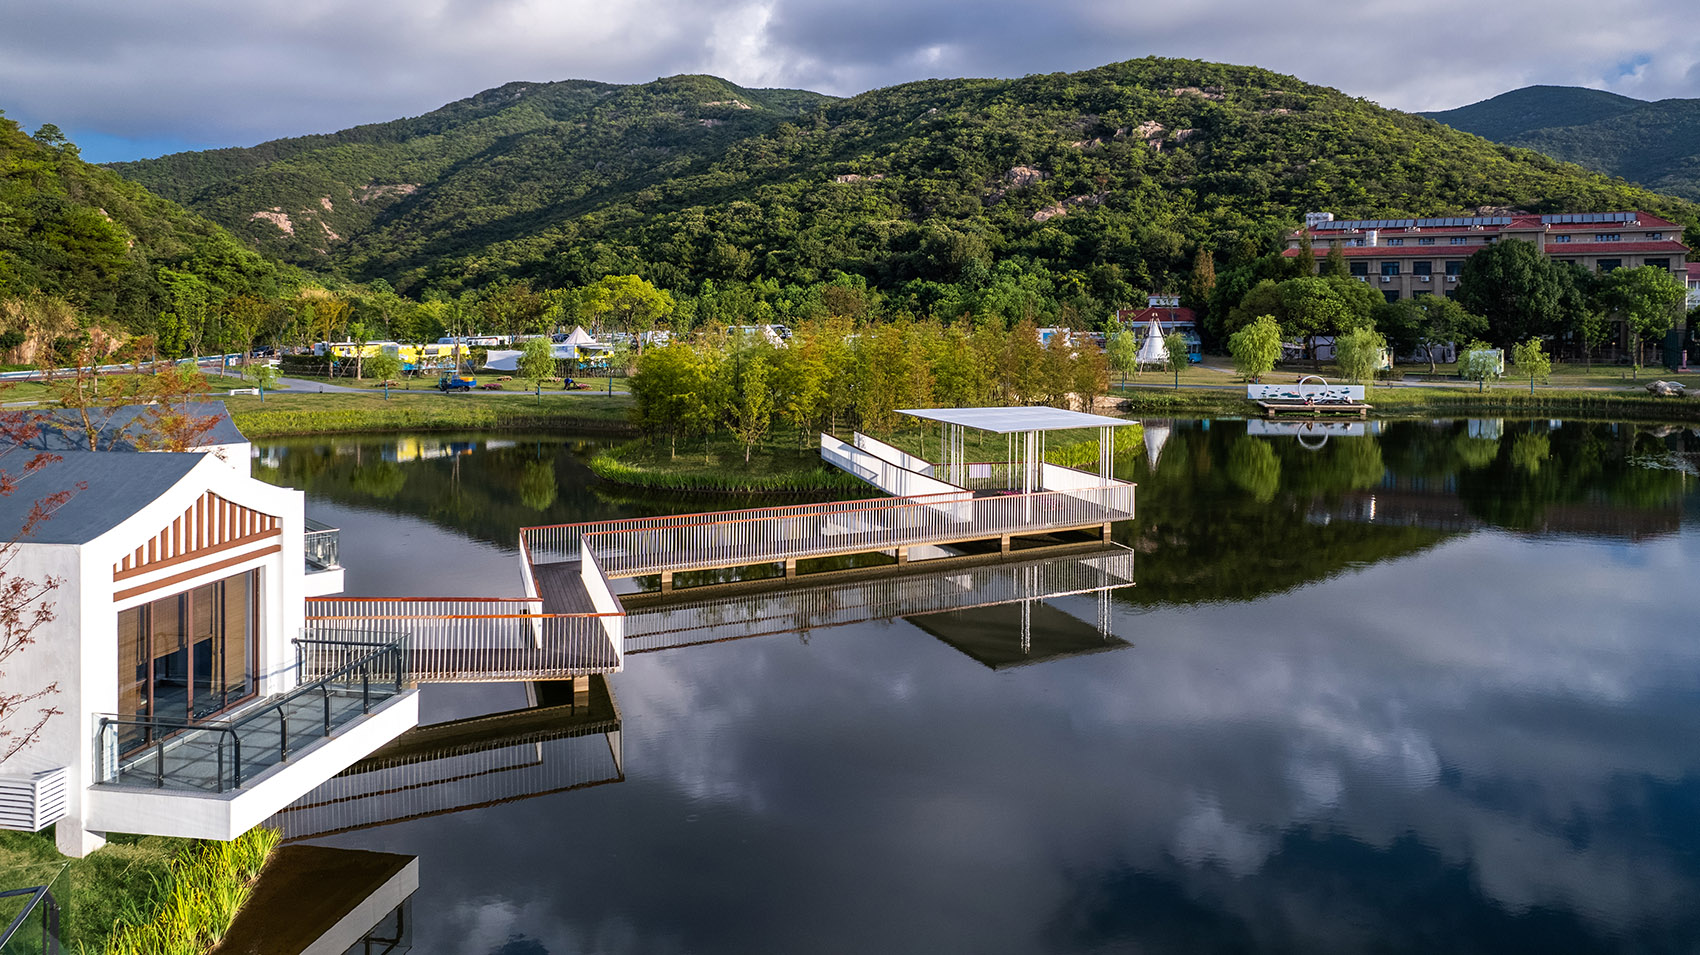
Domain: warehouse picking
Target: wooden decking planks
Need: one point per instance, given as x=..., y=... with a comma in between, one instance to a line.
x=561, y=588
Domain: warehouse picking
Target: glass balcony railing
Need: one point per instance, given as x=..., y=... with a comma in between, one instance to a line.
x=345, y=678
x=320, y=546
x=31, y=925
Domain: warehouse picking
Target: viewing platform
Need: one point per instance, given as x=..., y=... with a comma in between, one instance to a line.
x=572, y=623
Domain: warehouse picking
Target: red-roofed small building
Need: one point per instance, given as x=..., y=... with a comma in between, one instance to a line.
x=1170, y=316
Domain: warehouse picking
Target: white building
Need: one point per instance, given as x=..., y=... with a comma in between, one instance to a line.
x=188, y=688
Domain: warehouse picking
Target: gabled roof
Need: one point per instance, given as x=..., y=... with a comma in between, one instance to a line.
x=61, y=429
x=114, y=487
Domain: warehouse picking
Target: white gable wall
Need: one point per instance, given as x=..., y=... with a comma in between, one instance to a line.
x=78, y=650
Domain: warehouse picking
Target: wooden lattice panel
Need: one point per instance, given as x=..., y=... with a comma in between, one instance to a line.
x=210, y=525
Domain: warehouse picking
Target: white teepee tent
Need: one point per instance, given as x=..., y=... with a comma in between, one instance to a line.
x=1153, y=351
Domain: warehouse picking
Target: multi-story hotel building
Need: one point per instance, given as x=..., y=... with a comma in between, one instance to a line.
x=1409, y=258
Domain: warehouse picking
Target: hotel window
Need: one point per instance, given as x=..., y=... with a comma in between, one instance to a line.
x=1458, y=240
x=1392, y=295
x=1395, y=241
x=1608, y=237
x=1608, y=265
x=1656, y=236
x=1357, y=242
x=1426, y=240
x=1358, y=268
x=1422, y=268
x=1561, y=238
x=1454, y=266
x=187, y=657
x=1389, y=268
x=1658, y=263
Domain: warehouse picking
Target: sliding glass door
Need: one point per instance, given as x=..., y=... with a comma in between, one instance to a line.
x=186, y=657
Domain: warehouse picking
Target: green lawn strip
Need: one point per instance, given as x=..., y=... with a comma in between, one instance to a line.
x=285, y=413
x=108, y=899
x=777, y=465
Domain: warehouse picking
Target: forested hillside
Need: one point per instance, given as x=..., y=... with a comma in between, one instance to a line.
x=1084, y=187
x=1654, y=144
x=81, y=235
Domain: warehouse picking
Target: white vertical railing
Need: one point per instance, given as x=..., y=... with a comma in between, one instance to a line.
x=602, y=598
x=886, y=475
x=886, y=452
x=713, y=540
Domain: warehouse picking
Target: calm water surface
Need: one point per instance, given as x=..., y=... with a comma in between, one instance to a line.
x=1431, y=688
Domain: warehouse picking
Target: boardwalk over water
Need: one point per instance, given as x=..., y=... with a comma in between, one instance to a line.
x=571, y=622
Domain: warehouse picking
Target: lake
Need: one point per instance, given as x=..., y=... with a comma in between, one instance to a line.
x=1429, y=686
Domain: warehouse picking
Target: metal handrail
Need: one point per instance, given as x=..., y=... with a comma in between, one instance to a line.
x=231, y=729
x=49, y=917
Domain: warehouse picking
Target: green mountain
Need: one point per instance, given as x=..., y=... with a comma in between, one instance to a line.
x=109, y=247
x=1655, y=144
x=1103, y=179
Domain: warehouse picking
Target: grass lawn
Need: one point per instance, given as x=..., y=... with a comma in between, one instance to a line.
x=36, y=392
x=291, y=413
x=777, y=464
x=129, y=874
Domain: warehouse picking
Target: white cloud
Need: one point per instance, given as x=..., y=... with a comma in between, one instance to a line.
x=199, y=71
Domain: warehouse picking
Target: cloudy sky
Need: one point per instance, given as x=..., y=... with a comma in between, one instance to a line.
x=127, y=79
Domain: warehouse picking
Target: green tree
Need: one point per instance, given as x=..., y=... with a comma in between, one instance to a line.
x=1357, y=353
x=1648, y=299
x=1478, y=362
x=384, y=366
x=1516, y=288
x=1256, y=347
x=1122, y=350
x=752, y=408
x=628, y=303
x=537, y=359
x=1175, y=344
x=1532, y=361
x=1334, y=264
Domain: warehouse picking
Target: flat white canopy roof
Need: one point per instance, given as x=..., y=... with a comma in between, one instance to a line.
x=1011, y=420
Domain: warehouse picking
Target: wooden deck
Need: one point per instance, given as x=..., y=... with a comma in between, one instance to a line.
x=562, y=588
x=1320, y=409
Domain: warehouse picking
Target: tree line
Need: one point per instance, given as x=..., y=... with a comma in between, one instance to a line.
x=834, y=373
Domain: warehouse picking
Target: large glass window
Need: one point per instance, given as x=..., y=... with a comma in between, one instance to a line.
x=186, y=657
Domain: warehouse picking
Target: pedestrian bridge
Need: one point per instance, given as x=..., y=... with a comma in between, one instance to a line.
x=572, y=622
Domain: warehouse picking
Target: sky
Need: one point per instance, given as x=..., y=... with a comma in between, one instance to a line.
x=128, y=80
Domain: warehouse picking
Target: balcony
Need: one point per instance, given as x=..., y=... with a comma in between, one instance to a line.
x=321, y=552
x=217, y=779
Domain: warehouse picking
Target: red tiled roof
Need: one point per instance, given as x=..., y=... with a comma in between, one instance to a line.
x=1160, y=314
x=1554, y=249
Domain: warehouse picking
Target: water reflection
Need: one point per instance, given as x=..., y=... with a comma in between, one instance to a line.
x=1422, y=689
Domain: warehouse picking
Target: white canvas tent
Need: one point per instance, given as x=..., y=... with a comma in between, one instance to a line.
x=579, y=337
x=1153, y=351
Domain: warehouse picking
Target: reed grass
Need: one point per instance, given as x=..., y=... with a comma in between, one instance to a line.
x=208, y=884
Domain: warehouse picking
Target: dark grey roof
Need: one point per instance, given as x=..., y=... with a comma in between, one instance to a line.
x=116, y=487
x=61, y=429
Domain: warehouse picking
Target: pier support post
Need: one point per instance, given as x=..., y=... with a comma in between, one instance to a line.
x=666, y=581
x=1003, y=544
x=790, y=567
x=1106, y=531
x=903, y=555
